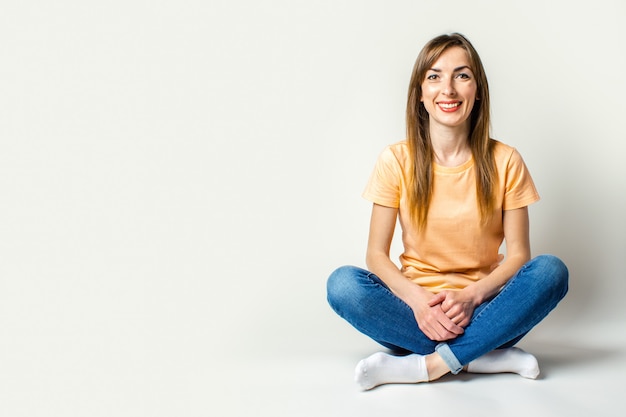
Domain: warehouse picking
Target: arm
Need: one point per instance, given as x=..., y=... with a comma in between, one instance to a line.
x=460, y=305
x=431, y=319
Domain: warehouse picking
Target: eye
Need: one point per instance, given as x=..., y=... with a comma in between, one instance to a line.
x=463, y=76
x=432, y=77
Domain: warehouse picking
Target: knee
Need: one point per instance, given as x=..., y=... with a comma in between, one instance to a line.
x=340, y=286
x=339, y=281
x=554, y=272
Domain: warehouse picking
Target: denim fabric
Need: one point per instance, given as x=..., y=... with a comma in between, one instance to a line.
x=362, y=299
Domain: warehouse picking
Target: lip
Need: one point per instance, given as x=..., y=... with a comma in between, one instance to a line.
x=449, y=106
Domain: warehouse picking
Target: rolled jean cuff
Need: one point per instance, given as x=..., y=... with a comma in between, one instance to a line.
x=448, y=357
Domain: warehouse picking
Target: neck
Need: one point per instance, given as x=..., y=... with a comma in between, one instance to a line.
x=450, y=148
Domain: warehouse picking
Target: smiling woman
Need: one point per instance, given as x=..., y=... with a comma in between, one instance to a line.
x=455, y=304
x=449, y=91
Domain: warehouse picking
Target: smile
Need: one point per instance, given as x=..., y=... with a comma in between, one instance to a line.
x=449, y=106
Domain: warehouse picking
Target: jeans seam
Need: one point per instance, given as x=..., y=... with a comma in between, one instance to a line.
x=490, y=302
x=381, y=284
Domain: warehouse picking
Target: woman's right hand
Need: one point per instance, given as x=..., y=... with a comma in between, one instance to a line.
x=433, y=321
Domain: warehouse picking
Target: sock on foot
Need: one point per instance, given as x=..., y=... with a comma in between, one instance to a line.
x=382, y=368
x=506, y=360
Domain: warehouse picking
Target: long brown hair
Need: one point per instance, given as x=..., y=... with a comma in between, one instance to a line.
x=418, y=137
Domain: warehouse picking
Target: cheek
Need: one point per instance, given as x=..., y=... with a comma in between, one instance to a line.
x=473, y=92
x=427, y=94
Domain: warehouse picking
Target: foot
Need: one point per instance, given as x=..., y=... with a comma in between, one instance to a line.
x=513, y=360
x=382, y=368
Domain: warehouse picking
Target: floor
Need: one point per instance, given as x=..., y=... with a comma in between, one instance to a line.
x=184, y=360
x=577, y=379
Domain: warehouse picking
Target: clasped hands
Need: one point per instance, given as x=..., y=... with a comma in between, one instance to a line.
x=445, y=315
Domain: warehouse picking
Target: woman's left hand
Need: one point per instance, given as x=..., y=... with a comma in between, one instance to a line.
x=457, y=305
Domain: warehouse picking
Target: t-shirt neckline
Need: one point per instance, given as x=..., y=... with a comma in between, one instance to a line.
x=454, y=170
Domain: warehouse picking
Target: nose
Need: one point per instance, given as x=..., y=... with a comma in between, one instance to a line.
x=448, y=87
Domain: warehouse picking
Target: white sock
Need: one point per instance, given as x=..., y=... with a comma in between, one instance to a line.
x=382, y=368
x=506, y=360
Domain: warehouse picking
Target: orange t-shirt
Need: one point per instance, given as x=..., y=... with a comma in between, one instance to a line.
x=454, y=249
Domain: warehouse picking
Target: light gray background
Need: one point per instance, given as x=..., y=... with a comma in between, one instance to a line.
x=178, y=179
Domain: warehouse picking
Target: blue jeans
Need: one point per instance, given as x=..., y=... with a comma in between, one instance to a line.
x=362, y=299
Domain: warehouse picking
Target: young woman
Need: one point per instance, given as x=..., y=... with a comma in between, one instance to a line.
x=455, y=304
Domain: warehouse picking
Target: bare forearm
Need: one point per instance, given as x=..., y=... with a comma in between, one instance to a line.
x=516, y=232
x=388, y=272
x=490, y=285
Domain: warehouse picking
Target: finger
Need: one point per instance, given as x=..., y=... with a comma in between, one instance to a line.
x=437, y=299
x=452, y=327
x=446, y=335
x=450, y=308
x=456, y=319
x=440, y=334
x=434, y=330
x=463, y=323
x=445, y=325
x=461, y=320
x=430, y=333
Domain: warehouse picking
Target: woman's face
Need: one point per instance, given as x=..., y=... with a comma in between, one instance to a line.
x=449, y=89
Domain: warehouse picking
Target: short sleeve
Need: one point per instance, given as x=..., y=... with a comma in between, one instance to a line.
x=385, y=183
x=520, y=190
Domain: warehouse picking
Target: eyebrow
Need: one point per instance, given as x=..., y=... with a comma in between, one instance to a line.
x=455, y=70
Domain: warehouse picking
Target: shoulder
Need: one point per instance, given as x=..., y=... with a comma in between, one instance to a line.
x=501, y=149
x=398, y=148
x=396, y=152
x=505, y=154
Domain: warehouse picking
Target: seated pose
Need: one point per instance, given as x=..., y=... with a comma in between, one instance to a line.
x=455, y=303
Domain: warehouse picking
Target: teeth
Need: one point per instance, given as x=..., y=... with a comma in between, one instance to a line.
x=449, y=105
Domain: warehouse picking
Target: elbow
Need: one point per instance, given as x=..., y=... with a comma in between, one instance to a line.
x=369, y=260
x=372, y=259
x=521, y=257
